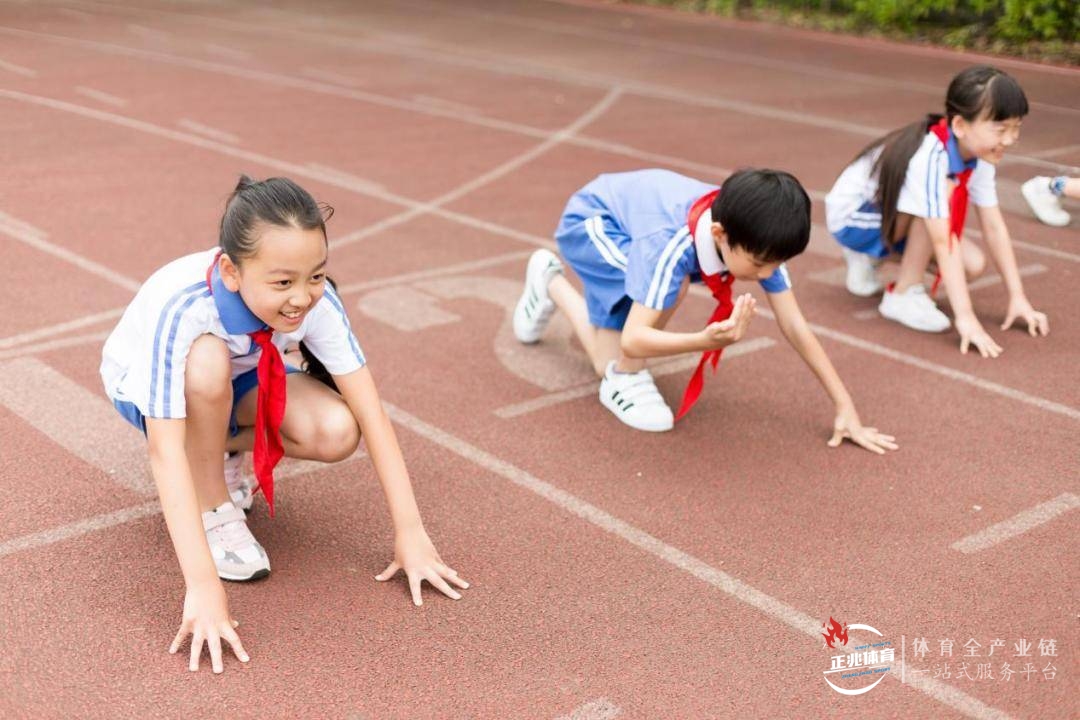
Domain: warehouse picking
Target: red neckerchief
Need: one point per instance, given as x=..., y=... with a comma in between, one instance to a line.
x=958, y=200
x=270, y=407
x=720, y=286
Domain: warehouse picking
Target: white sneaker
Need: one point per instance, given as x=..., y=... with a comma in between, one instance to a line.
x=237, y=554
x=241, y=487
x=913, y=308
x=634, y=399
x=1045, y=204
x=534, y=309
x=862, y=278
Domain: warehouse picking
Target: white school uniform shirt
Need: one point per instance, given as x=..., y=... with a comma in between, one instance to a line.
x=651, y=208
x=925, y=192
x=145, y=356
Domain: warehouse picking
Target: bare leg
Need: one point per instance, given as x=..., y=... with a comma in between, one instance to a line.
x=318, y=425
x=602, y=345
x=974, y=259
x=208, y=395
x=917, y=253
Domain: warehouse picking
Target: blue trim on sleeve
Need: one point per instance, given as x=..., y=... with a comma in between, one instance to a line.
x=332, y=296
x=167, y=390
x=179, y=296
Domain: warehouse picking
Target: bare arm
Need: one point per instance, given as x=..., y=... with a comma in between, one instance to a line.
x=413, y=550
x=799, y=335
x=951, y=267
x=642, y=339
x=179, y=503
x=996, y=234
x=358, y=390
x=206, y=614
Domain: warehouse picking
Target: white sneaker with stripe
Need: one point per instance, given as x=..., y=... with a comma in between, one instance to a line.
x=634, y=399
x=535, y=308
x=237, y=554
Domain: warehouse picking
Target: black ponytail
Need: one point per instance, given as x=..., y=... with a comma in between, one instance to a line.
x=978, y=92
x=312, y=365
x=890, y=168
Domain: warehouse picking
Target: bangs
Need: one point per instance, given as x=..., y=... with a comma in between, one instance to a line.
x=1004, y=99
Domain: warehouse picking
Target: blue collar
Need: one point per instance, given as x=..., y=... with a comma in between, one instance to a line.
x=233, y=311
x=957, y=164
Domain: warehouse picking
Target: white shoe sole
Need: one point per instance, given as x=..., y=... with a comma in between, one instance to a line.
x=260, y=573
x=526, y=329
x=921, y=327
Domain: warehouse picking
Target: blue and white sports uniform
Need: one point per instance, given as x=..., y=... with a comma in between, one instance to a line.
x=854, y=218
x=145, y=356
x=625, y=235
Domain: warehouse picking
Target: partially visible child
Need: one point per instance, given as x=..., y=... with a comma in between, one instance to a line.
x=195, y=363
x=637, y=240
x=907, y=194
x=1044, y=194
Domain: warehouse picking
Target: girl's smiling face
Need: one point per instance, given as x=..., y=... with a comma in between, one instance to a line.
x=285, y=277
x=985, y=138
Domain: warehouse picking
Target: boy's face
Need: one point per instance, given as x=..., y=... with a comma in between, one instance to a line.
x=985, y=138
x=740, y=263
x=285, y=277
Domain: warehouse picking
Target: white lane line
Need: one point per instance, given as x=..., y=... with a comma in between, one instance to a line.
x=335, y=89
x=737, y=589
x=346, y=178
x=154, y=36
x=102, y=97
x=45, y=332
x=1055, y=151
x=498, y=64
x=446, y=104
x=17, y=69
x=599, y=709
x=79, y=15
x=1051, y=252
x=36, y=238
x=228, y=53
x=76, y=529
x=58, y=343
x=992, y=279
x=942, y=370
x=1018, y=524
x=334, y=78
x=488, y=177
x=670, y=367
x=210, y=132
x=288, y=468
x=503, y=231
x=83, y=423
x=443, y=271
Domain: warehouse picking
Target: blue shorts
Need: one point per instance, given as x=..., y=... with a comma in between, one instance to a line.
x=241, y=385
x=864, y=233
x=596, y=248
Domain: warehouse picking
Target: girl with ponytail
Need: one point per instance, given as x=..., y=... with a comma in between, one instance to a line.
x=196, y=363
x=907, y=194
